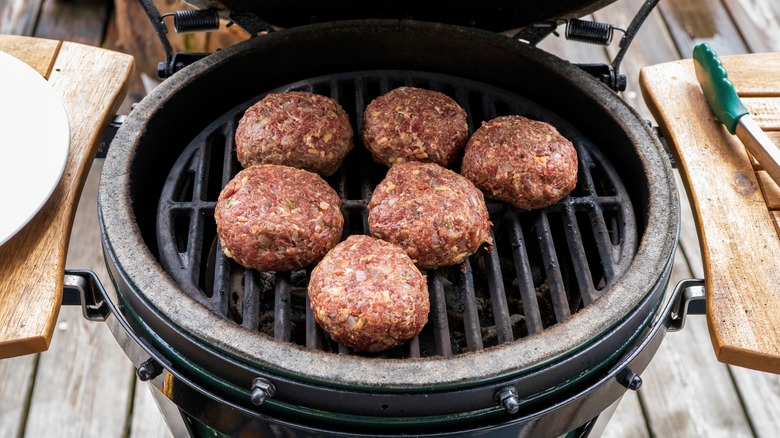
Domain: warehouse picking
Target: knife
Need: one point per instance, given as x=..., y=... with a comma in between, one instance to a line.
x=728, y=108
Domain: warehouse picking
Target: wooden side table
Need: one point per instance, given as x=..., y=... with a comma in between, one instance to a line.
x=736, y=204
x=91, y=83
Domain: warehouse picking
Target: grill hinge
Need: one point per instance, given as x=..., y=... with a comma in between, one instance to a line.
x=193, y=21
x=594, y=33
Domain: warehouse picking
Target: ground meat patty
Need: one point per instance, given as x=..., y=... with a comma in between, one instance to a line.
x=368, y=295
x=297, y=129
x=277, y=218
x=437, y=216
x=412, y=124
x=524, y=162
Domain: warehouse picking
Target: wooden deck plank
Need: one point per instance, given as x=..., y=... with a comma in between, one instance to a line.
x=651, y=45
x=18, y=17
x=691, y=22
x=16, y=379
x=686, y=392
x=74, y=21
x=760, y=393
x=84, y=380
x=628, y=420
x=758, y=22
x=147, y=421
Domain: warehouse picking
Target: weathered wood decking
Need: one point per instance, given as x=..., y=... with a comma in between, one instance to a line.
x=85, y=387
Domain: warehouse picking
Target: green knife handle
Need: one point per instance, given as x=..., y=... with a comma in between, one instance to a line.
x=717, y=88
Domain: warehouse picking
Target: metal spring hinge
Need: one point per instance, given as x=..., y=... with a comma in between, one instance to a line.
x=193, y=21
x=594, y=33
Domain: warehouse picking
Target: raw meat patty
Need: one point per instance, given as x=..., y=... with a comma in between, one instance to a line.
x=297, y=129
x=277, y=218
x=368, y=295
x=437, y=216
x=524, y=162
x=412, y=124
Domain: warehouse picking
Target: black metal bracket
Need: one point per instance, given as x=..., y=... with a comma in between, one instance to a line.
x=534, y=33
x=109, y=135
x=595, y=33
x=633, y=28
x=188, y=23
x=606, y=74
x=250, y=22
x=81, y=287
x=691, y=301
x=177, y=62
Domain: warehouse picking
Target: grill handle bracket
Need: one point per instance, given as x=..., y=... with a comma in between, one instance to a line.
x=690, y=301
x=82, y=287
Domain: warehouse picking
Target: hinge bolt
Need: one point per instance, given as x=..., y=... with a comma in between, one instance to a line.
x=508, y=399
x=631, y=380
x=261, y=390
x=148, y=370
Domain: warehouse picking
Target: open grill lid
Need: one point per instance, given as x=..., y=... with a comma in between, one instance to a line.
x=493, y=15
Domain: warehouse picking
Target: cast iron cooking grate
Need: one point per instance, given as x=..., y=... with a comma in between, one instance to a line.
x=544, y=267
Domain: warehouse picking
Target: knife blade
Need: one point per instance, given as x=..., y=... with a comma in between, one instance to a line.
x=728, y=108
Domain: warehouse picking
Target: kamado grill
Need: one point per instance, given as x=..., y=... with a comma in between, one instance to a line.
x=539, y=335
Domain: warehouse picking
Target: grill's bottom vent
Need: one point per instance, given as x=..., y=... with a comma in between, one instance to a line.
x=544, y=266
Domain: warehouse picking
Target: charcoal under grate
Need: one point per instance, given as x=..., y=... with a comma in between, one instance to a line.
x=544, y=267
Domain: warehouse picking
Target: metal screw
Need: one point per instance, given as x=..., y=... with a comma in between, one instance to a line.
x=508, y=399
x=631, y=380
x=148, y=370
x=262, y=389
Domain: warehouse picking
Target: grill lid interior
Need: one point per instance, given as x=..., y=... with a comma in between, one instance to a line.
x=493, y=15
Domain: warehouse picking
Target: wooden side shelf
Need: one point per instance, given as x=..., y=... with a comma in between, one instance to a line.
x=91, y=83
x=737, y=206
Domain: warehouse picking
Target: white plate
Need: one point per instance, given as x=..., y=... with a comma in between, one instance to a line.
x=34, y=143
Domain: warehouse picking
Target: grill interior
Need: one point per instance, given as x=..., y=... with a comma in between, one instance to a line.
x=544, y=267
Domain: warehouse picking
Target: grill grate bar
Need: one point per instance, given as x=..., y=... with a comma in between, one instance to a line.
x=221, y=279
x=438, y=315
x=471, y=325
x=282, y=308
x=533, y=318
x=462, y=97
x=313, y=339
x=414, y=347
x=552, y=269
x=604, y=243
x=251, y=302
x=498, y=295
x=579, y=258
x=361, y=100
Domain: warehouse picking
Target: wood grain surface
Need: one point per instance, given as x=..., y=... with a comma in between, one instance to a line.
x=739, y=243
x=758, y=22
x=19, y=17
x=90, y=82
